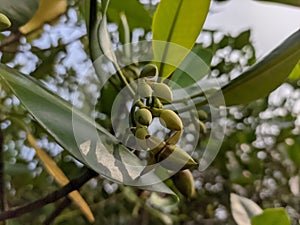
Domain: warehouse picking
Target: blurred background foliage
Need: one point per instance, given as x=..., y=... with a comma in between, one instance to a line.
x=259, y=158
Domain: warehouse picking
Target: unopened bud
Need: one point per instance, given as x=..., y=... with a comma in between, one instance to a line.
x=174, y=138
x=143, y=89
x=170, y=120
x=142, y=132
x=202, y=115
x=143, y=117
x=184, y=182
x=141, y=135
x=174, y=158
x=163, y=92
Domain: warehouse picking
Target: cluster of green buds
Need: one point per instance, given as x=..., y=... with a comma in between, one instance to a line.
x=151, y=96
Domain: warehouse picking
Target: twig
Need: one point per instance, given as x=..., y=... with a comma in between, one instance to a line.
x=74, y=184
x=14, y=37
x=2, y=178
x=65, y=203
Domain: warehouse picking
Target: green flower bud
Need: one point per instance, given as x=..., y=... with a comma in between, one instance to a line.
x=143, y=117
x=143, y=89
x=202, y=115
x=4, y=22
x=141, y=135
x=170, y=120
x=184, y=182
x=142, y=132
x=149, y=70
x=174, y=138
x=174, y=158
x=163, y=92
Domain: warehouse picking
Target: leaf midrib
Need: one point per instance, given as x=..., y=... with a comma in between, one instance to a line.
x=170, y=35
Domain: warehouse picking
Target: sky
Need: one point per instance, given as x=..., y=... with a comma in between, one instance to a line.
x=270, y=23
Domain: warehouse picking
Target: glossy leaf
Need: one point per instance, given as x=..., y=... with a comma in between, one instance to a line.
x=18, y=11
x=286, y=2
x=4, y=22
x=294, y=152
x=137, y=16
x=265, y=76
x=79, y=134
x=243, y=209
x=295, y=74
x=189, y=71
x=84, y=9
x=277, y=216
x=104, y=38
x=242, y=39
x=61, y=178
x=176, y=26
x=47, y=11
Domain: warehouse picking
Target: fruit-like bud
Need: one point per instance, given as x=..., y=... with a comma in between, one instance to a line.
x=142, y=132
x=174, y=138
x=143, y=89
x=4, y=22
x=170, y=120
x=141, y=135
x=174, y=158
x=143, y=117
x=184, y=182
x=202, y=115
x=163, y=92
x=149, y=70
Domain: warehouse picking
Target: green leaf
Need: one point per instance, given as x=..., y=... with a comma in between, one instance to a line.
x=243, y=209
x=286, y=2
x=193, y=68
x=294, y=153
x=19, y=11
x=4, y=22
x=104, y=38
x=277, y=216
x=47, y=59
x=263, y=77
x=79, y=134
x=295, y=74
x=242, y=39
x=84, y=9
x=176, y=26
x=136, y=14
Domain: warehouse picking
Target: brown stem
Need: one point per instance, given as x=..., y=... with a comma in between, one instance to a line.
x=64, y=204
x=74, y=184
x=14, y=37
